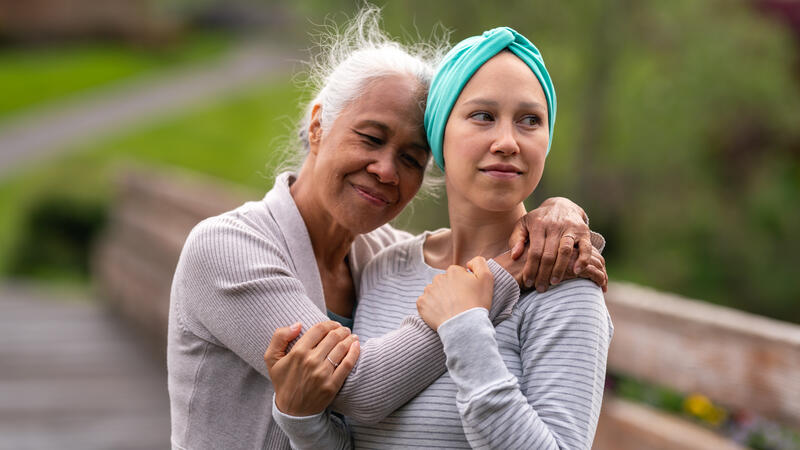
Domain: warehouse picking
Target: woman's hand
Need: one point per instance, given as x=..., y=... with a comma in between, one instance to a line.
x=308, y=377
x=595, y=271
x=553, y=231
x=456, y=291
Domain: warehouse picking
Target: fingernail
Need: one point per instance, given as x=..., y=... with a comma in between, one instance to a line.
x=554, y=280
x=541, y=288
x=516, y=248
x=355, y=336
x=528, y=283
x=295, y=327
x=356, y=344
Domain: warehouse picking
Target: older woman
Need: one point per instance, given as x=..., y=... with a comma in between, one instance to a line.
x=297, y=255
x=536, y=379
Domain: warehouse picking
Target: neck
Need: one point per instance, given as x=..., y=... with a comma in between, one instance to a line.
x=330, y=241
x=473, y=232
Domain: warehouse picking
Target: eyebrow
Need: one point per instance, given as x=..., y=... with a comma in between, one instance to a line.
x=373, y=123
x=385, y=128
x=486, y=102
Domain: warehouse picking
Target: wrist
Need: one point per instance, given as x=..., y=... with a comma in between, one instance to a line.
x=464, y=315
x=281, y=407
x=294, y=410
x=290, y=415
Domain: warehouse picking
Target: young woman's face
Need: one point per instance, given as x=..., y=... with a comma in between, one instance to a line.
x=496, y=137
x=371, y=161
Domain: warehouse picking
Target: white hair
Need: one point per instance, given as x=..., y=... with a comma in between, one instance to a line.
x=351, y=58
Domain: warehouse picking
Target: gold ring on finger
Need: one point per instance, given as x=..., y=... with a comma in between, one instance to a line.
x=335, y=365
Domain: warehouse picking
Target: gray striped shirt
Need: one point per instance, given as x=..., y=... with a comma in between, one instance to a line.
x=534, y=381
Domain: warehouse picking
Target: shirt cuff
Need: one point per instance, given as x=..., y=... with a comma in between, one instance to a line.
x=505, y=294
x=298, y=426
x=463, y=316
x=598, y=241
x=473, y=360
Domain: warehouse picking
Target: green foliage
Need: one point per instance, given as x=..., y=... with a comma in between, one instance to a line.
x=240, y=139
x=56, y=238
x=754, y=431
x=660, y=397
x=677, y=132
x=31, y=76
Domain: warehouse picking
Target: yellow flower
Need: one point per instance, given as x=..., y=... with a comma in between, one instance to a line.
x=700, y=406
x=697, y=405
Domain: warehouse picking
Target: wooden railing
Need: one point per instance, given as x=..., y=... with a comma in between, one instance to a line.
x=739, y=360
x=133, y=263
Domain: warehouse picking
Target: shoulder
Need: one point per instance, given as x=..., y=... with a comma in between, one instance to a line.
x=577, y=301
x=393, y=260
x=220, y=244
x=577, y=290
x=377, y=240
x=366, y=246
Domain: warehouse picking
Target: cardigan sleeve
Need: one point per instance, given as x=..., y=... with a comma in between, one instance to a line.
x=564, y=338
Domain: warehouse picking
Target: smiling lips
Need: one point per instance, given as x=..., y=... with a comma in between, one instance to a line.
x=501, y=171
x=371, y=195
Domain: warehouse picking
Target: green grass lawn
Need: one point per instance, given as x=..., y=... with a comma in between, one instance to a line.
x=233, y=139
x=34, y=76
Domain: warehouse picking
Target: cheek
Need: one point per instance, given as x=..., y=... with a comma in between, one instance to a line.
x=536, y=170
x=454, y=138
x=410, y=184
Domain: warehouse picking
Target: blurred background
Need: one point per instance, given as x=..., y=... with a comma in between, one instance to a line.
x=678, y=132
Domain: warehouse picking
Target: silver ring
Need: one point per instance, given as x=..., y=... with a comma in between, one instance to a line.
x=335, y=365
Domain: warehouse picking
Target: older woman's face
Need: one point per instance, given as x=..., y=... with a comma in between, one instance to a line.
x=496, y=137
x=369, y=164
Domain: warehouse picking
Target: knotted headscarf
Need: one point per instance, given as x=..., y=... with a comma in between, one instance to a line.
x=462, y=62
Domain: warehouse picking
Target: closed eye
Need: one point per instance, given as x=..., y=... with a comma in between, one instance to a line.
x=412, y=161
x=371, y=139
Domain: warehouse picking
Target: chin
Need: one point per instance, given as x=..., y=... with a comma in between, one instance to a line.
x=501, y=199
x=498, y=203
x=362, y=224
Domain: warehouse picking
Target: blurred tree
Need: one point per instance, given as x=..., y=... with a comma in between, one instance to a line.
x=677, y=130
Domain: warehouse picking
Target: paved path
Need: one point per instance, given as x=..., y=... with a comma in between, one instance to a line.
x=44, y=133
x=73, y=376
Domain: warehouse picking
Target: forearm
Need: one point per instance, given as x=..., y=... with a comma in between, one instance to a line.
x=391, y=370
x=494, y=412
x=563, y=346
x=400, y=364
x=322, y=430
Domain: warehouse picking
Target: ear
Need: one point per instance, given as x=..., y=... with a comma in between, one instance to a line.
x=315, y=128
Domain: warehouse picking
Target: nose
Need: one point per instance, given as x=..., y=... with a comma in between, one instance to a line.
x=505, y=143
x=384, y=168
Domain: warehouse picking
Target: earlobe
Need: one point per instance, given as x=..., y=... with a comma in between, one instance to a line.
x=315, y=128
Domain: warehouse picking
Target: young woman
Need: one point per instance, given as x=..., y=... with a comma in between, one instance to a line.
x=535, y=380
x=297, y=255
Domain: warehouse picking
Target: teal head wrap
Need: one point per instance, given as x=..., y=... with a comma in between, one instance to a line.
x=462, y=62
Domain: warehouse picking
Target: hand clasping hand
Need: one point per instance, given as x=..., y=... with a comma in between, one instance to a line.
x=307, y=378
